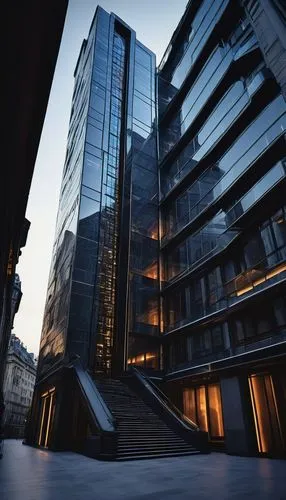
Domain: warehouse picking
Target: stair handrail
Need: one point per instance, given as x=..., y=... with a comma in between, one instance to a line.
x=164, y=400
x=100, y=411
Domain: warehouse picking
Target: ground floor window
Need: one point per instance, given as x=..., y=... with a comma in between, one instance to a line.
x=266, y=416
x=47, y=410
x=202, y=405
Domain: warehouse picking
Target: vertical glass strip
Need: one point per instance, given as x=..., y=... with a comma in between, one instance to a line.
x=202, y=420
x=108, y=245
x=215, y=411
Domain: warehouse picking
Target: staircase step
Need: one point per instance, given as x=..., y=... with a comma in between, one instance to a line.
x=145, y=456
x=143, y=432
x=163, y=447
x=147, y=428
x=138, y=425
x=154, y=439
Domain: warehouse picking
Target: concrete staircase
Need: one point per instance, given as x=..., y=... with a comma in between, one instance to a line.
x=142, y=434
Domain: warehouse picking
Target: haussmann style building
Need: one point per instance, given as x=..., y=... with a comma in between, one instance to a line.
x=165, y=324
x=19, y=381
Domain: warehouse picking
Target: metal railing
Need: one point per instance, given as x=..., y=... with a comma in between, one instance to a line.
x=164, y=400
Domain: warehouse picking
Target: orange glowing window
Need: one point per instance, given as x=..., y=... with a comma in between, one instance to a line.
x=215, y=411
x=203, y=406
x=148, y=359
x=46, y=417
x=274, y=272
x=266, y=417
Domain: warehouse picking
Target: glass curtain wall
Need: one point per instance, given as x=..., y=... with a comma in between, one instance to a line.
x=254, y=265
x=55, y=325
x=239, y=43
x=144, y=237
x=104, y=308
x=256, y=326
x=187, y=52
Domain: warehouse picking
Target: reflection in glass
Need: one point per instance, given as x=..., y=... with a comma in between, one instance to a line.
x=108, y=232
x=266, y=418
x=215, y=411
x=202, y=26
x=218, y=179
x=189, y=404
x=202, y=408
x=208, y=79
x=92, y=171
x=203, y=405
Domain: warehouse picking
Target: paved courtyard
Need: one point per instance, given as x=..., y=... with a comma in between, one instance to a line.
x=30, y=474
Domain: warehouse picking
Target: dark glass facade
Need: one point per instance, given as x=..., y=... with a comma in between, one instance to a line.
x=170, y=248
x=221, y=135
x=106, y=251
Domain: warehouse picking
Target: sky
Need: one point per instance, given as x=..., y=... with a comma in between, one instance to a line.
x=154, y=22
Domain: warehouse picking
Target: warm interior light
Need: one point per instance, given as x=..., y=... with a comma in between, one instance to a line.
x=189, y=404
x=46, y=411
x=258, y=282
x=257, y=394
x=140, y=358
x=150, y=355
x=151, y=271
x=202, y=408
x=244, y=290
x=154, y=235
x=150, y=317
x=42, y=420
x=49, y=420
x=215, y=411
x=277, y=270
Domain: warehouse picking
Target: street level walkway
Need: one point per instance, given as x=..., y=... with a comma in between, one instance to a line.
x=30, y=474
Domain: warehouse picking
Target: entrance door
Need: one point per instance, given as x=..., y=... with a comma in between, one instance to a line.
x=47, y=410
x=203, y=405
x=266, y=417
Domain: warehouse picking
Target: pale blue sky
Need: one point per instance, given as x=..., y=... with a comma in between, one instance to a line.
x=154, y=22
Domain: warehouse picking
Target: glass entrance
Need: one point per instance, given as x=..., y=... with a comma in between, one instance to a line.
x=47, y=410
x=203, y=405
x=266, y=417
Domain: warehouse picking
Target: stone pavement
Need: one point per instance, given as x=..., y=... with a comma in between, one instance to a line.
x=30, y=474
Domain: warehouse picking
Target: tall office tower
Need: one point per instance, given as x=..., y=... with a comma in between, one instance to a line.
x=209, y=329
x=222, y=118
x=102, y=308
x=106, y=244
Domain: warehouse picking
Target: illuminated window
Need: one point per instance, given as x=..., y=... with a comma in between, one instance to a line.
x=215, y=412
x=47, y=410
x=266, y=417
x=203, y=406
x=145, y=360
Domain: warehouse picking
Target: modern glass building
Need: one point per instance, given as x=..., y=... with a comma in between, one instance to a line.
x=169, y=263
x=223, y=228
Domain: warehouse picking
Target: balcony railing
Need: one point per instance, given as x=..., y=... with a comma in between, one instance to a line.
x=253, y=280
x=246, y=345
x=265, y=184
x=228, y=116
